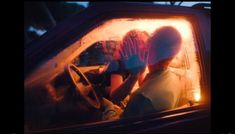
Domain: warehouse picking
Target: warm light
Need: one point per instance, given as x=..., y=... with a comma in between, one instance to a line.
x=184, y=28
x=136, y=86
x=197, y=97
x=115, y=29
x=145, y=72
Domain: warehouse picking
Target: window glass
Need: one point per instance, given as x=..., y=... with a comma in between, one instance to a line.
x=97, y=60
x=99, y=53
x=185, y=62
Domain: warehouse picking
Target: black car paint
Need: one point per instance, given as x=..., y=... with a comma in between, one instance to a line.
x=193, y=119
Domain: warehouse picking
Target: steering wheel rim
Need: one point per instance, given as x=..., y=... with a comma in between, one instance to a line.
x=95, y=103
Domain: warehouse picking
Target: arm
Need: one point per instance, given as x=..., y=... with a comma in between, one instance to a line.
x=116, y=81
x=123, y=90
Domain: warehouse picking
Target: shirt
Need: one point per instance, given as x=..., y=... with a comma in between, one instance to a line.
x=161, y=90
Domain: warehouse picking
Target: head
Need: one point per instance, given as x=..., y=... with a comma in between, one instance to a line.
x=164, y=44
x=132, y=39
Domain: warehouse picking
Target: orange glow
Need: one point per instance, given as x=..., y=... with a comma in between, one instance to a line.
x=115, y=29
x=146, y=72
x=197, y=97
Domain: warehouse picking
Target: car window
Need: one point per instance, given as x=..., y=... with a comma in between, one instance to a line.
x=185, y=62
x=99, y=53
x=96, y=59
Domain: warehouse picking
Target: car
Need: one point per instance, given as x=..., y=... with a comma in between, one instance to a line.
x=80, y=49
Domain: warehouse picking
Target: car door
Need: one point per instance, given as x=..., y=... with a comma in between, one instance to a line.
x=159, y=122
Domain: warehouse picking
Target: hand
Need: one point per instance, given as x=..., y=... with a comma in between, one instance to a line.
x=133, y=59
x=133, y=64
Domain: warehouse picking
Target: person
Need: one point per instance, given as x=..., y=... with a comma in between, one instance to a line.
x=125, y=61
x=130, y=57
x=162, y=88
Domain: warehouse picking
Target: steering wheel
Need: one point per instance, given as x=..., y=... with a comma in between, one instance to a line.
x=83, y=86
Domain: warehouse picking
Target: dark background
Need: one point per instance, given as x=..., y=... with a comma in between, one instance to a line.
x=222, y=67
x=44, y=16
